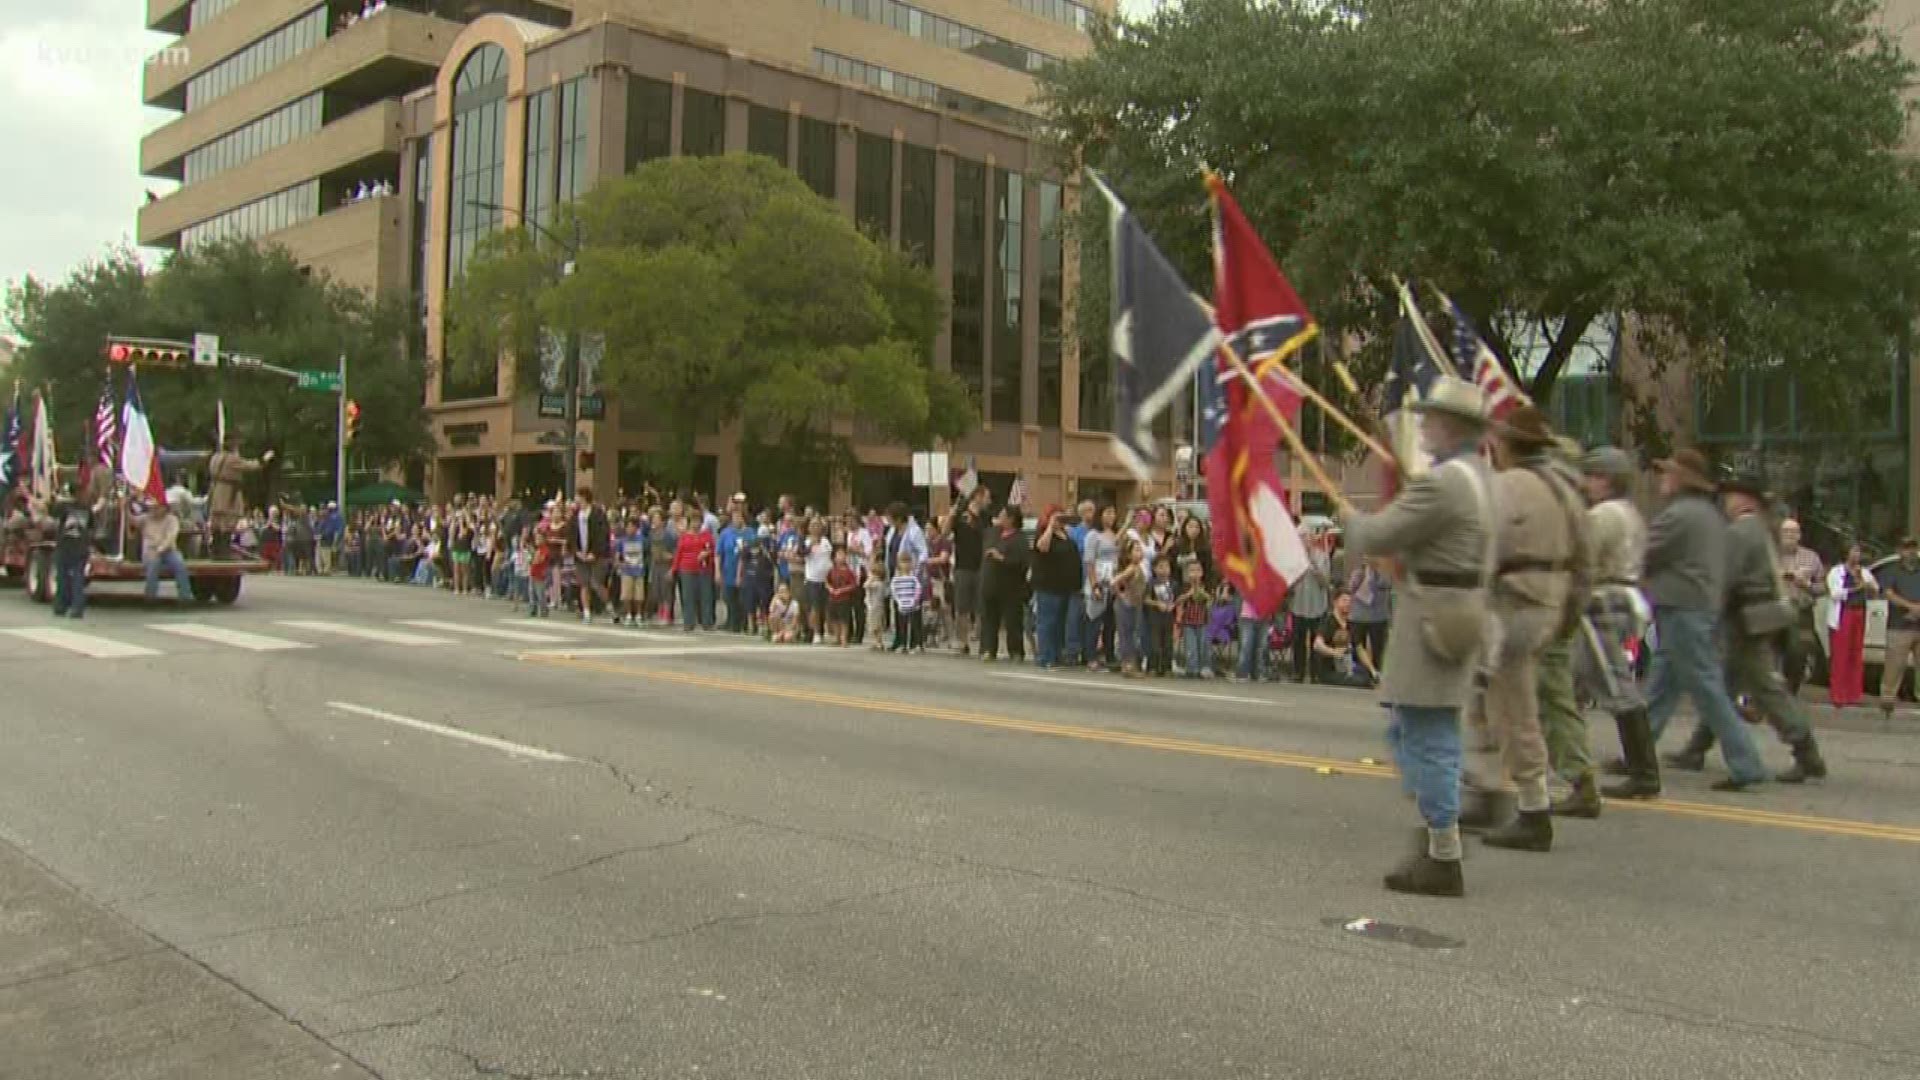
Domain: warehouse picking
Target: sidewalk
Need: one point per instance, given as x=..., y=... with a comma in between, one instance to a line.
x=85, y=995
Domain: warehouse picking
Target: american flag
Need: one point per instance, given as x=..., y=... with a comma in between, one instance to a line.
x=1471, y=353
x=106, y=431
x=1017, y=495
x=10, y=443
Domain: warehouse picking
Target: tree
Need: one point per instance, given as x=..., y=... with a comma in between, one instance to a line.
x=1725, y=170
x=261, y=302
x=725, y=290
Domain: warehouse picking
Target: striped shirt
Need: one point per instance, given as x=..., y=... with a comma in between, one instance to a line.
x=906, y=592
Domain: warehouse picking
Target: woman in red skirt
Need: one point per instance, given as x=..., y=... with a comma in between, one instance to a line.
x=1851, y=585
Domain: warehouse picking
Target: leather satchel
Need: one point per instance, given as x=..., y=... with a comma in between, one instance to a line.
x=1764, y=618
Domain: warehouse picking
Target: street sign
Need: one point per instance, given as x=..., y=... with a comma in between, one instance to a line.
x=206, y=350
x=593, y=406
x=553, y=406
x=552, y=438
x=320, y=380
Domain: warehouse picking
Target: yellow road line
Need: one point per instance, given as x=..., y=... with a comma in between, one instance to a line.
x=1710, y=811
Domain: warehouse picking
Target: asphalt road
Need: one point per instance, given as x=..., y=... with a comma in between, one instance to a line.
x=348, y=829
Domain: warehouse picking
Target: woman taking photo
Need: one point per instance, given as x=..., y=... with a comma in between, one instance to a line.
x=1851, y=585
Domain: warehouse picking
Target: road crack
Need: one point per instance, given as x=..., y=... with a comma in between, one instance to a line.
x=387, y=1025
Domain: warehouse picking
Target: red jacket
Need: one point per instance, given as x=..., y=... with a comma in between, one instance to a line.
x=694, y=555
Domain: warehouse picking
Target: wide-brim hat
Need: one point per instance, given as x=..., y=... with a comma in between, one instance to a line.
x=1608, y=461
x=1526, y=426
x=1691, y=469
x=1745, y=484
x=1457, y=398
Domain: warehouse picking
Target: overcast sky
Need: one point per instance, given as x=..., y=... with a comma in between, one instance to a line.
x=70, y=76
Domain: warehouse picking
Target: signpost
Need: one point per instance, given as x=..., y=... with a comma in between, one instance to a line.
x=206, y=350
x=330, y=381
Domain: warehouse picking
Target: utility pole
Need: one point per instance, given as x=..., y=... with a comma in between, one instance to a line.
x=340, y=448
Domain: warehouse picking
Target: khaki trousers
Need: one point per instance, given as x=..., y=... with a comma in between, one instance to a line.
x=1902, y=647
x=1513, y=700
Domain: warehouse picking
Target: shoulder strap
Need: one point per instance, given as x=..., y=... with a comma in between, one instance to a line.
x=1483, y=501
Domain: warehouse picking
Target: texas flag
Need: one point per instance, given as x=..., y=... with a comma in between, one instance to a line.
x=1255, y=539
x=139, y=457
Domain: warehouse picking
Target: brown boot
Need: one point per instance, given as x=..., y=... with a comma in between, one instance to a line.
x=1532, y=830
x=1583, y=801
x=1423, y=875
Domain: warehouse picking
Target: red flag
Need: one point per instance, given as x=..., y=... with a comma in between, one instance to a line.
x=1255, y=540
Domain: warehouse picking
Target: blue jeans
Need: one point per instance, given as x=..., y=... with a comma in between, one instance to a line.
x=1079, y=635
x=70, y=587
x=1193, y=646
x=1426, y=746
x=1049, y=615
x=1128, y=630
x=1687, y=662
x=696, y=601
x=1253, y=647
x=171, y=561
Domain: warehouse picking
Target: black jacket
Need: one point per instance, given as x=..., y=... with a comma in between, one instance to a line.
x=599, y=536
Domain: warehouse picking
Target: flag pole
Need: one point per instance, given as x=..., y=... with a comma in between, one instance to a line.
x=1447, y=301
x=1292, y=437
x=1314, y=396
x=1411, y=308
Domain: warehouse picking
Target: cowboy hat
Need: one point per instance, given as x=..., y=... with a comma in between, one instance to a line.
x=1456, y=398
x=1526, y=426
x=1691, y=469
x=1608, y=461
x=1746, y=484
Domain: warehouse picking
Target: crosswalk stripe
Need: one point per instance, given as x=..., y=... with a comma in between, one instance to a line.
x=367, y=633
x=221, y=635
x=524, y=636
x=88, y=645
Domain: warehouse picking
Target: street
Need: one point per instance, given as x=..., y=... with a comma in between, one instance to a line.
x=349, y=829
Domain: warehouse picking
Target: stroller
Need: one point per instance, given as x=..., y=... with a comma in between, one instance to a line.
x=1280, y=639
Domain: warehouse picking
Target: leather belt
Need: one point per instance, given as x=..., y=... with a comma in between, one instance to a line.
x=1523, y=566
x=1449, y=579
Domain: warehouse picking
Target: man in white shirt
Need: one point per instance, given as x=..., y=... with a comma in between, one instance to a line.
x=160, y=549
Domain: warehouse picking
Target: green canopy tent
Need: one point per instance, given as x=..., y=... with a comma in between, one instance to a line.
x=382, y=493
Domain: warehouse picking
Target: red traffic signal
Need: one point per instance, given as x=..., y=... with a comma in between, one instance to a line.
x=353, y=420
x=144, y=351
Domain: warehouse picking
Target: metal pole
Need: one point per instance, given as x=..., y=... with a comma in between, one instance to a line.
x=340, y=448
x=572, y=449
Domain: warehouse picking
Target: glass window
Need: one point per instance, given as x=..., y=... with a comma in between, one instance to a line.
x=478, y=180
x=893, y=82
x=422, y=215
x=703, y=124
x=969, y=274
x=1009, y=298
x=916, y=202
x=263, y=55
x=258, y=218
x=649, y=121
x=575, y=117
x=537, y=192
x=767, y=132
x=817, y=156
x=1720, y=415
x=1052, y=312
x=873, y=186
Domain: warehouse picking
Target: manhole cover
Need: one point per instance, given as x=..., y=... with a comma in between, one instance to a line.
x=1394, y=932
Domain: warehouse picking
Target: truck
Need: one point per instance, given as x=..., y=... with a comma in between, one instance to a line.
x=27, y=557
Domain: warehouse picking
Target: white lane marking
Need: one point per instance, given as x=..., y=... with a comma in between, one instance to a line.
x=569, y=627
x=526, y=636
x=220, y=635
x=512, y=748
x=88, y=645
x=637, y=650
x=1133, y=688
x=368, y=633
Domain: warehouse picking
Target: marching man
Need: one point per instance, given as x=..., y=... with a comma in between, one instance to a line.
x=226, y=503
x=1442, y=529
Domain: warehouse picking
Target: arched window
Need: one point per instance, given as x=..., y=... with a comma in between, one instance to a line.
x=478, y=180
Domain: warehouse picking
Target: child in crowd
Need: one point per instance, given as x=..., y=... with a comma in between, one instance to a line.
x=1129, y=607
x=520, y=565
x=877, y=589
x=1190, y=614
x=907, y=595
x=1160, y=601
x=843, y=590
x=539, y=567
x=633, y=571
x=757, y=578
x=780, y=616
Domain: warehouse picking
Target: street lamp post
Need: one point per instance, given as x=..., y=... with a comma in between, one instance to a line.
x=570, y=460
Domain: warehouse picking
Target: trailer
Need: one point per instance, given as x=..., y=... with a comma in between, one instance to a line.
x=27, y=557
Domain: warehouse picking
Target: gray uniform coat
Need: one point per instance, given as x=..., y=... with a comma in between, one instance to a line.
x=1438, y=525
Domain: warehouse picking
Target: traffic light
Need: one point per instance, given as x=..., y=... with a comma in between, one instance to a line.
x=353, y=419
x=132, y=351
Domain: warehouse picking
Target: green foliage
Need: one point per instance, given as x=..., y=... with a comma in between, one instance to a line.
x=261, y=303
x=726, y=290
x=1726, y=169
